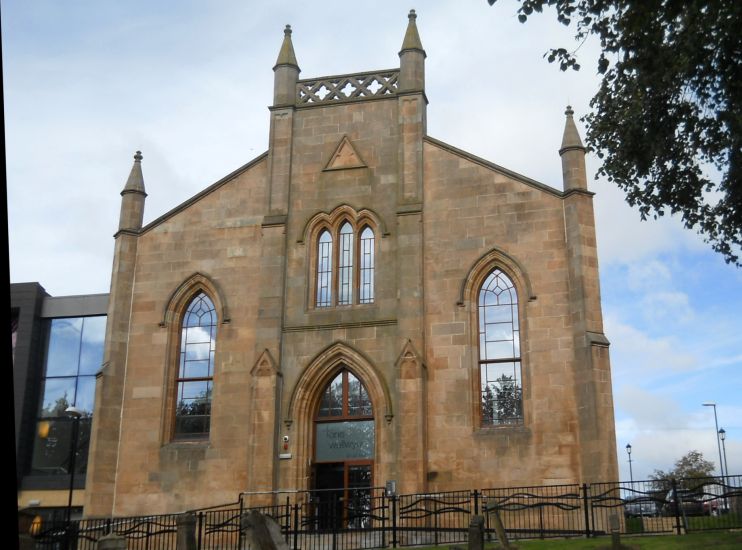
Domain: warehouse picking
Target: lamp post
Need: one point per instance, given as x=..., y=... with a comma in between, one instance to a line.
x=74, y=414
x=716, y=423
x=631, y=471
x=723, y=436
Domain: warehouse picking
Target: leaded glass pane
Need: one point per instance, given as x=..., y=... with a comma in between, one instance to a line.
x=332, y=398
x=359, y=403
x=324, y=270
x=194, y=386
x=345, y=265
x=499, y=351
x=502, y=394
x=366, y=282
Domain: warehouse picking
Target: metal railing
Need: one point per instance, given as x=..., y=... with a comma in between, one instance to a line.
x=355, y=519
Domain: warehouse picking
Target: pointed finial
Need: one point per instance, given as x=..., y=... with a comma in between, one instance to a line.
x=135, y=182
x=571, y=137
x=287, y=56
x=412, y=37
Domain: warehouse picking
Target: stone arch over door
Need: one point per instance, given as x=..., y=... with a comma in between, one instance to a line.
x=302, y=406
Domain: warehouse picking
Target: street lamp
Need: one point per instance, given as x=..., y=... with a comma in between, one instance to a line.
x=723, y=436
x=716, y=423
x=631, y=471
x=74, y=414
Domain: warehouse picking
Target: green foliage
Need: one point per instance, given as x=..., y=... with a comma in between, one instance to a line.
x=501, y=401
x=58, y=408
x=691, y=471
x=668, y=113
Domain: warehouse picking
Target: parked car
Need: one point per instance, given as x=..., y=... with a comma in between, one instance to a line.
x=715, y=506
x=689, y=503
x=641, y=508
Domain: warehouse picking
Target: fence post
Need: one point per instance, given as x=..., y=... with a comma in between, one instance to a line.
x=186, y=534
x=586, y=506
x=676, y=505
x=287, y=522
x=476, y=502
x=394, y=521
x=384, y=508
x=296, y=526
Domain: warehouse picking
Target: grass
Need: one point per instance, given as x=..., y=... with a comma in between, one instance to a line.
x=695, y=541
x=712, y=522
x=721, y=540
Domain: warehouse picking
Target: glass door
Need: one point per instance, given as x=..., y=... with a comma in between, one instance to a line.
x=344, y=441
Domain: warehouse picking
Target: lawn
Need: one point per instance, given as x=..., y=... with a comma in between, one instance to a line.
x=721, y=540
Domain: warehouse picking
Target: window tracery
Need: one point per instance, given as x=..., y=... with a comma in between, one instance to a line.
x=344, y=274
x=499, y=351
x=194, y=382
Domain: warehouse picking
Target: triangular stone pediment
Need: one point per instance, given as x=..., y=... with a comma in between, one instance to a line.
x=265, y=365
x=345, y=156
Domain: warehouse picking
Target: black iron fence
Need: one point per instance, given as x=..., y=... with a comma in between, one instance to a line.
x=357, y=519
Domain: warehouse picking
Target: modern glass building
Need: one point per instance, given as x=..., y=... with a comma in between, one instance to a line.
x=57, y=352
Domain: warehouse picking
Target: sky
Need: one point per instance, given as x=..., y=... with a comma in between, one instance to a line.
x=87, y=83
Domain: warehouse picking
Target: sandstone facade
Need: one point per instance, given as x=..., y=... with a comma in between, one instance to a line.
x=442, y=220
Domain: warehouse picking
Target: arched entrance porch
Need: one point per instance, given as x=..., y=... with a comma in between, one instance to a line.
x=339, y=418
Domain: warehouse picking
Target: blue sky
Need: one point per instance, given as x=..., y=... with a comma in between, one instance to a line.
x=87, y=83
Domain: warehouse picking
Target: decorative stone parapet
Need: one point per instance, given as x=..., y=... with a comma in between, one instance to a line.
x=342, y=88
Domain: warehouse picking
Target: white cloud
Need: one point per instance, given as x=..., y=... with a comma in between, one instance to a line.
x=660, y=432
x=634, y=351
x=624, y=238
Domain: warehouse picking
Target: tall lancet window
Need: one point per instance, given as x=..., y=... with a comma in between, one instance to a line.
x=324, y=270
x=345, y=265
x=342, y=259
x=196, y=369
x=499, y=351
x=366, y=283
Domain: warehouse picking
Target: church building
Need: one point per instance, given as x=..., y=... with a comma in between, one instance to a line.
x=359, y=305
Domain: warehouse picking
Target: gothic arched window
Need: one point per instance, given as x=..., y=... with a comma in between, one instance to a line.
x=345, y=274
x=196, y=369
x=499, y=351
x=366, y=283
x=324, y=270
x=345, y=265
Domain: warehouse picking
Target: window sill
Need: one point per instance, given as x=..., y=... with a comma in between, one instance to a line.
x=188, y=443
x=503, y=429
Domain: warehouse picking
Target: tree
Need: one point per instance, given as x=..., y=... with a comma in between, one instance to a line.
x=691, y=471
x=58, y=408
x=668, y=112
x=501, y=402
